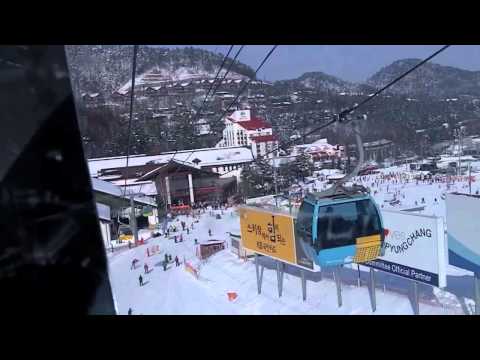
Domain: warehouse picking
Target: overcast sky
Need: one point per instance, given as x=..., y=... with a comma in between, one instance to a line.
x=349, y=62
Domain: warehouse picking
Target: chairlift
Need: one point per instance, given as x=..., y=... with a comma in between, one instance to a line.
x=125, y=233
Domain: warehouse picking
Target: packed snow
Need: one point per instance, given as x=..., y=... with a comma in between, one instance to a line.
x=178, y=291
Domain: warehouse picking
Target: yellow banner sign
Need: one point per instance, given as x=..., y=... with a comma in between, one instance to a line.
x=268, y=233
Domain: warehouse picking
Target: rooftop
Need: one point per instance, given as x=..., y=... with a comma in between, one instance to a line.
x=107, y=188
x=253, y=124
x=206, y=157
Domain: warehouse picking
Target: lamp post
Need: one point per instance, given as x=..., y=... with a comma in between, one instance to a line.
x=459, y=133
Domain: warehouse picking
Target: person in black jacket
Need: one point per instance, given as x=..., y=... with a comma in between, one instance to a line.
x=140, y=280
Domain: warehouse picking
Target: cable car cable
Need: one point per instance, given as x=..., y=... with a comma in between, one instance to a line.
x=342, y=115
x=209, y=90
x=393, y=82
x=134, y=69
x=220, y=82
x=228, y=70
x=239, y=93
x=214, y=80
x=249, y=81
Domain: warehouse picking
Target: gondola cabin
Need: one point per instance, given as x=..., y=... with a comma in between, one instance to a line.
x=340, y=229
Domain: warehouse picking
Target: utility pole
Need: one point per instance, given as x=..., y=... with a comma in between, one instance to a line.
x=133, y=220
x=275, y=181
x=470, y=177
x=459, y=151
x=460, y=132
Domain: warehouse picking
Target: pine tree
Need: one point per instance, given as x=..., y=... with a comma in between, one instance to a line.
x=303, y=165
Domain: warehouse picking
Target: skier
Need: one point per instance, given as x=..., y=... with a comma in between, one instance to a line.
x=175, y=238
x=129, y=311
x=165, y=265
x=140, y=280
x=166, y=258
x=196, y=241
x=145, y=267
x=177, y=263
x=188, y=231
x=209, y=232
x=181, y=237
x=134, y=263
x=423, y=200
x=169, y=258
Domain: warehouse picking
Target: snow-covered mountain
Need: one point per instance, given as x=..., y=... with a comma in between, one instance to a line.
x=431, y=79
x=105, y=69
x=172, y=86
x=319, y=81
x=166, y=75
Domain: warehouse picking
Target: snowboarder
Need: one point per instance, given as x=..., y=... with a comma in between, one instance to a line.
x=129, y=311
x=177, y=263
x=145, y=267
x=140, y=280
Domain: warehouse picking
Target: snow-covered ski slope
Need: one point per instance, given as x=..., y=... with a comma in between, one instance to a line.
x=177, y=291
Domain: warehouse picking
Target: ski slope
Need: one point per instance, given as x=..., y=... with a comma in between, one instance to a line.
x=178, y=292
